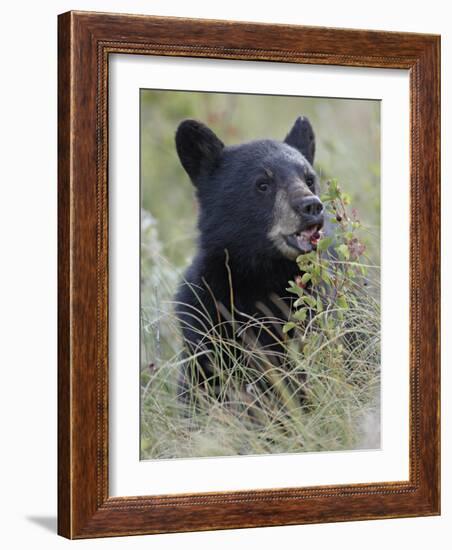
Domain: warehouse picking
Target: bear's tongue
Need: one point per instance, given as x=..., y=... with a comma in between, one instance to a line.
x=308, y=239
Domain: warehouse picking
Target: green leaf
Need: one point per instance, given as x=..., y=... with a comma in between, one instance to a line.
x=343, y=251
x=342, y=301
x=306, y=278
x=305, y=261
x=319, y=305
x=333, y=190
x=324, y=243
x=288, y=326
x=301, y=314
x=316, y=275
x=346, y=198
x=326, y=278
x=310, y=300
x=295, y=290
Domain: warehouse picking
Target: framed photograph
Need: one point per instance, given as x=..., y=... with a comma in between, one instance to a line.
x=248, y=275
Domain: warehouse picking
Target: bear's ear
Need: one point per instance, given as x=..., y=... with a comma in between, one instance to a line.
x=199, y=149
x=301, y=137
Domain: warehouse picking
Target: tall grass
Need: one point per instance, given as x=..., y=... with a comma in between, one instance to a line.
x=321, y=394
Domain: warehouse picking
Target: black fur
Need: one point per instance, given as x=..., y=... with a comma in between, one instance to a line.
x=301, y=136
x=236, y=188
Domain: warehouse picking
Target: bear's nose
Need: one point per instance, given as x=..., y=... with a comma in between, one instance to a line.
x=309, y=207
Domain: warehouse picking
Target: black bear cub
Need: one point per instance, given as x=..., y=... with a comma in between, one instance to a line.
x=258, y=211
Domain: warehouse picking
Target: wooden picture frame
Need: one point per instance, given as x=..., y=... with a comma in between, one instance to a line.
x=85, y=42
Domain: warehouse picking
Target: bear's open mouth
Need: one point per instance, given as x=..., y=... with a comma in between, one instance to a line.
x=306, y=240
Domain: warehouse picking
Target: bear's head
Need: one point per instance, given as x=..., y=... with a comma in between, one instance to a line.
x=259, y=200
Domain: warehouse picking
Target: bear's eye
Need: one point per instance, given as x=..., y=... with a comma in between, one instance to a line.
x=310, y=181
x=263, y=185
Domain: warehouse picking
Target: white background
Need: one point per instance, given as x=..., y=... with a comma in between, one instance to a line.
x=128, y=476
x=28, y=272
